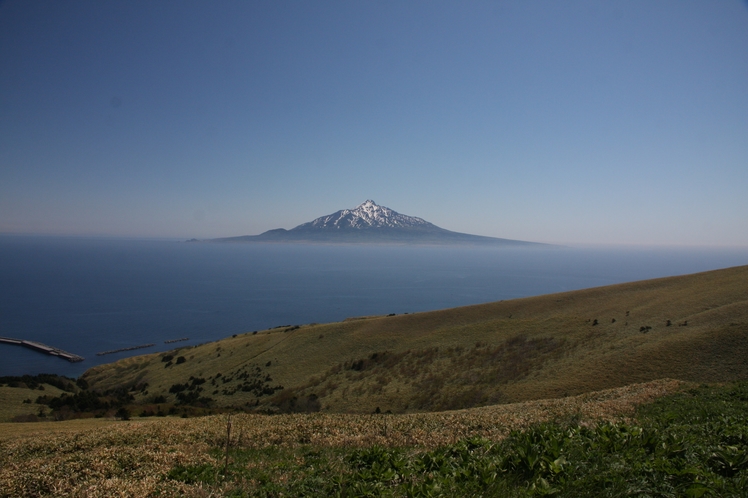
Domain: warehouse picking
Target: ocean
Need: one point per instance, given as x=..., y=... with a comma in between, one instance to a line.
x=88, y=295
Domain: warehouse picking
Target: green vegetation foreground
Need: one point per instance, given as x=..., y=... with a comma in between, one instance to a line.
x=691, y=442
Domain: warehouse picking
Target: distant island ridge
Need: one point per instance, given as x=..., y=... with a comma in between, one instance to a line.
x=372, y=224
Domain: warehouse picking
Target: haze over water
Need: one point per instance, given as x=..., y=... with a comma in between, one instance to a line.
x=92, y=295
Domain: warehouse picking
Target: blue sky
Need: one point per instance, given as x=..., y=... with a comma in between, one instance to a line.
x=569, y=122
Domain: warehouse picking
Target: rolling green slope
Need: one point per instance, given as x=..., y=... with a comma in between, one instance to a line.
x=692, y=327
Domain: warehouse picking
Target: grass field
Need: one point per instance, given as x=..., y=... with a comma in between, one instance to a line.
x=10, y=430
x=95, y=457
x=693, y=328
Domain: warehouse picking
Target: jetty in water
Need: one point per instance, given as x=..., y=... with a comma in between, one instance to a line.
x=43, y=348
x=131, y=348
x=170, y=341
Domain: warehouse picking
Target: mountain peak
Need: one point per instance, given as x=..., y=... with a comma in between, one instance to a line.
x=366, y=215
x=371, y=223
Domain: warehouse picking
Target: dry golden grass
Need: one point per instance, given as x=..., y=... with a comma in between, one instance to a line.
x=312, y=359
x=9, y=430
x=133, y=458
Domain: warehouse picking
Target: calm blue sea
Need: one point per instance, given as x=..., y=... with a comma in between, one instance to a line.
x=90, y=295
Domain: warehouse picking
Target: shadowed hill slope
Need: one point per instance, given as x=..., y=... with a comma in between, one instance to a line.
x=692, y=327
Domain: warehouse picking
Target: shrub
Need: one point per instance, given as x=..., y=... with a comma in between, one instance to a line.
x=123, y=413
x=289, y=402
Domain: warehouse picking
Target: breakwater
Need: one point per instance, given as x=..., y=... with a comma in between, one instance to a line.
x=43, y=348
x=177, y=340
x=112, y=351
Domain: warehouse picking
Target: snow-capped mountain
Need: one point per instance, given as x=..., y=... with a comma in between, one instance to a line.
x=370, y=223
x=366, y=215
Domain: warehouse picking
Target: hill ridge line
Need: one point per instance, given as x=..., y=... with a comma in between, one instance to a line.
x=535, y=347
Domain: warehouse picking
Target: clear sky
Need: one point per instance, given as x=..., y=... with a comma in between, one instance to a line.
x=569, y=122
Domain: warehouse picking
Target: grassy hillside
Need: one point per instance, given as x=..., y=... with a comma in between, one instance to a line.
x=692, y=328
x=17, y=403
x=18, y=396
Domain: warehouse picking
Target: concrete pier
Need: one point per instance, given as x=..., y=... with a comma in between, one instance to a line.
x=43, y=348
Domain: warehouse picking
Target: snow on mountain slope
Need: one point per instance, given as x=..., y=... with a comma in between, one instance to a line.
x=366, y=215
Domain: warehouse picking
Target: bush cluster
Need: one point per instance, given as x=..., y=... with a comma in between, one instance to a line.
x=35, y=382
